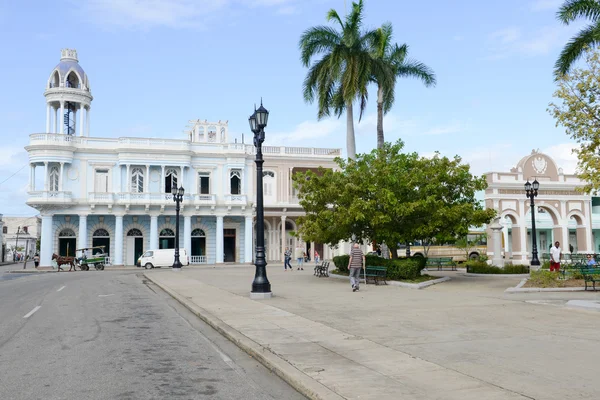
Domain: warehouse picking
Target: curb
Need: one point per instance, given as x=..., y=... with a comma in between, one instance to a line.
x=499, y=275
x=295, y=378
x=520, y=289
x=421, y=285
x=29, y=271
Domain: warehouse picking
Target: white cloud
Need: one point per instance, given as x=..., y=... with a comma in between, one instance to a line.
x=506, y=35
x=147, y=14
x=563, y=155
x=453, y=127
x=308, y=134
x=543, y=5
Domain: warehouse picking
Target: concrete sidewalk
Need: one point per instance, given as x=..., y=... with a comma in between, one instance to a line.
x=459, y=340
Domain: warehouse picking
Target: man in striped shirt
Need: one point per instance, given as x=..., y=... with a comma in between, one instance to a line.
x=357, y=261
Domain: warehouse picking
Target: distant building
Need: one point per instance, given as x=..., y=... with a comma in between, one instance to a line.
x=116, y=192
x=563, y=213
x=20, y=235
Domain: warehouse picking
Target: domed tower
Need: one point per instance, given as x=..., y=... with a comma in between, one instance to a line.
x=68, y=97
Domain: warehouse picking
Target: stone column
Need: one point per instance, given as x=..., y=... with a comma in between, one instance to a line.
x=496, y=228
x=161, y=182
x=128, y=180
x=523, y=231
x=147, y=179
x=62, y=116
x=47, y=118
x=187, y=235
x=55, y=120
x=248, y=253
x=32, y=178
x=118, y=259
x=60, y=177
x=46, y=241
x=83, y=234
x=46, y=176
x=516, y=242
x=219, y=249
x=283, y=237
x=87, y=121
x=581, y=241
x=589, y=244
x=154, y=232
x=81, y=110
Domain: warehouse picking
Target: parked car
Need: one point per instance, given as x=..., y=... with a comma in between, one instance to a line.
x=162, y=258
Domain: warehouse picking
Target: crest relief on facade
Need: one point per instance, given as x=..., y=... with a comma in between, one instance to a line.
x=539, y=165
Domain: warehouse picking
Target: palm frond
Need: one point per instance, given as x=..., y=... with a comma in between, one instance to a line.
x=333, y=15
x=317, y=40
x=574, y=9
x=588, y=37
x=415, y=69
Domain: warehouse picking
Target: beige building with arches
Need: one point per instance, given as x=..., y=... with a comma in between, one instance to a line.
x=562, y=212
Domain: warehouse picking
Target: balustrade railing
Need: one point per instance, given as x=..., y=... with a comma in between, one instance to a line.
x=198, y=260
x=100, y=197
x=235, y=199
x=50, y=196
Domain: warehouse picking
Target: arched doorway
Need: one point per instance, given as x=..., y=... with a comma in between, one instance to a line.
x=67, y=242
x=101, y=237
x=198, y=246
x=166, y=239
x=135, y=245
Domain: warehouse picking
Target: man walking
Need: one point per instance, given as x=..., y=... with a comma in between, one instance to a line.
x=357, y=261
x=288, y=257
x=555, y=257
x=299, y=258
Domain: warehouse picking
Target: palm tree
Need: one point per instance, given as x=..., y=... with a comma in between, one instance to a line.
x=570, y=11
x=342, y=75
x=392, y=65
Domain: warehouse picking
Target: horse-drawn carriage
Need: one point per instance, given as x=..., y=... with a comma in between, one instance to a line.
x=95, y=260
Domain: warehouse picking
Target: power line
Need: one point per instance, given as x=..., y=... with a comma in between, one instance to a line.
x=13, y=174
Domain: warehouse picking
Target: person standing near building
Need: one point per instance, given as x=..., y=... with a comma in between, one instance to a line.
x=555, y=257
x=299, y=258
x=356, y=262
x=317, y=257
x=287, y=258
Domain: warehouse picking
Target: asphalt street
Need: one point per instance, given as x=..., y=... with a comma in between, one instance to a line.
x=112, y=335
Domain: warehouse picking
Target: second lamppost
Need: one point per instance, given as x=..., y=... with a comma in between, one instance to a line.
x=177, y=198
x=531, y=190
x=261, y=287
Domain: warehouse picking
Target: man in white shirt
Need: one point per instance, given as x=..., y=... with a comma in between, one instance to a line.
x=555, y=257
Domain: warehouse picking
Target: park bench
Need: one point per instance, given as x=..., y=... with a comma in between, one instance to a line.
x=322, y=269
x=440, y=262
x=376, y=274
x=590, y=274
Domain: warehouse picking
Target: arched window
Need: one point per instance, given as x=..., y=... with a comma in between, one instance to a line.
x=72, y=80
x=5, y=229
x=167, y=232
x=170, y=179
x=67, y=233
x=137, y=180
x=101, y=233
x=198, y=233
x=134, y=232
x=55, y=80
x=236, y=181
x=54, y=176
x=212, y=133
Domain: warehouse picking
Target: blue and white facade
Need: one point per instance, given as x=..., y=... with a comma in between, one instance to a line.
x=115, y=192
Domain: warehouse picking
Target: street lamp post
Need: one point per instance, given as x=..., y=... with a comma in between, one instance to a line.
x=531, y=190
x=16, y=244
x=177, y=198
x=261, y=288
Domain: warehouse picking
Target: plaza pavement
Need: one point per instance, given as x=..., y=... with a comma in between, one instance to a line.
x=463, y=339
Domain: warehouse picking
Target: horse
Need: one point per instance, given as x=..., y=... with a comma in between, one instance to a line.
x=62, y=260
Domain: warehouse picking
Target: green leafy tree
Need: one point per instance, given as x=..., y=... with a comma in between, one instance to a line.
x=569, y=12
x=391, y=63
x=390, y=197
x=343, y=73
x=577, y=109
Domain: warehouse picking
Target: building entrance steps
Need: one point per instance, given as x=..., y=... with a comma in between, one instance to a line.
x=320, y=359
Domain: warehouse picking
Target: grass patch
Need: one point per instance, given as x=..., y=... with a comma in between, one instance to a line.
x=478, y=267
x=418, y=279
x=547, y=279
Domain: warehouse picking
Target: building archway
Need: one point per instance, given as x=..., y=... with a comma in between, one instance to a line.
x=135, y=245
x=166, y=239
x=198, y=255
x=67, y=242
x=101, y=237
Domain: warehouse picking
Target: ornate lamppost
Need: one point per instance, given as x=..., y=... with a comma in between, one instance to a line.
x=261, y=288
x=177, y=198
x=531, y=190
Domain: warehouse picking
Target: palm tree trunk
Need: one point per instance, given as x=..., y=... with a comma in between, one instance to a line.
x=350, y=144
x=380, y=138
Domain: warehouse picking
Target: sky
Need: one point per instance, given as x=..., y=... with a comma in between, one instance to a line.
x=153, y=65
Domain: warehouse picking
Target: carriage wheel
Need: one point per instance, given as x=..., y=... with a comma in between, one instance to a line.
x=101, y=267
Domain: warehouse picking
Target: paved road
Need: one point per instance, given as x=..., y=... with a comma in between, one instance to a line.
x=111, y=335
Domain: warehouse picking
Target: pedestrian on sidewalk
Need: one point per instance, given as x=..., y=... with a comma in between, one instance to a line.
x=299, y=258
x=36, y=260
x=555, y=257
x=356, y=262
x=287, y=258
x=317, y=257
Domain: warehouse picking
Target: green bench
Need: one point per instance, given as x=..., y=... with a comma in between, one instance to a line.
x=440, y=262
x=590, y=274
x=377, y=274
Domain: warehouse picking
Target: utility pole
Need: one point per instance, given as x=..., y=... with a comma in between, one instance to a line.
x=16, y=245
x=26, y=254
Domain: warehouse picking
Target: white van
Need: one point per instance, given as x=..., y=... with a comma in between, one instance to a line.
x=162, y=258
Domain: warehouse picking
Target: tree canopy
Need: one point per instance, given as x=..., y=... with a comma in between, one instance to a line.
x=577, y=109
x=391, y=197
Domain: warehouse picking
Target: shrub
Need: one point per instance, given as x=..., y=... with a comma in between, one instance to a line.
x=546, y=265
x=341, y=262
x=477, y=267
x=404, y=268
x=543, y=278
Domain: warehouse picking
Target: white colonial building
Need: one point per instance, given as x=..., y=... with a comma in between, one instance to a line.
x=562, y=212
x=115, y=192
